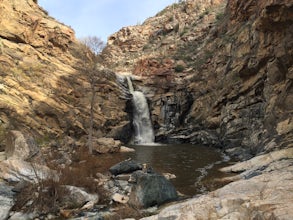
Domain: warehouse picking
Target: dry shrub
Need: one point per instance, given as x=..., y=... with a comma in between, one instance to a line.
x=43, y=197
x=46, y=195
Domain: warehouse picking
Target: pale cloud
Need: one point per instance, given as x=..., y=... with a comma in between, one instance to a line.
x=102, y=17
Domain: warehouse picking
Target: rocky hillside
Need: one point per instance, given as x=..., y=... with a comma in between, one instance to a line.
x=44, y=87
x=220, y=73
x=216, y=72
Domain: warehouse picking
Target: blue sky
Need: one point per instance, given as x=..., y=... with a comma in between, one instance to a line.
x=102, y=18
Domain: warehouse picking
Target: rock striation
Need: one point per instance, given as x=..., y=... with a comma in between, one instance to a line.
x=215, y=72
x=44, y=88
x=220, y=73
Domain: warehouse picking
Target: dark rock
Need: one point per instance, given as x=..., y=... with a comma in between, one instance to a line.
x=151, y=189
x=122, y=132
x=239, y=153
x=126, y=166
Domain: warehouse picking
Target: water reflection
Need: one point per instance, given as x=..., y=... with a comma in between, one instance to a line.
x=189, y=163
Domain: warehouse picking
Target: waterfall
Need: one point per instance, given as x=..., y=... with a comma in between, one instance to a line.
x=144, y=133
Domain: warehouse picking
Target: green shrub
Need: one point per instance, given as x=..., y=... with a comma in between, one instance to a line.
x=220, y=16
x=179, y=68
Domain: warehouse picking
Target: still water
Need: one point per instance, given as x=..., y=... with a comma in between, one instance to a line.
x=196, y=167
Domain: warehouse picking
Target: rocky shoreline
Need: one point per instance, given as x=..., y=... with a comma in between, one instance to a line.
x=261, y=188
x=75, y=184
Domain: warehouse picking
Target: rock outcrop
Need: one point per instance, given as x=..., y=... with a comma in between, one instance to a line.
x=226, y=80
x=138, y=48
x=215, y=72
x=44, y=88
x=220, y=70
x=259, y=195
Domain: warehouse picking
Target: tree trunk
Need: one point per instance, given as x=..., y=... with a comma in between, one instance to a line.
x=90, y=138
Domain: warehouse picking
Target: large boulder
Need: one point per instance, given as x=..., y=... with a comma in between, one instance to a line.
x=14, y=170
x=106, y=145
x=151, y=189
x=126, y=166
x=19, y=147
x=77, y=197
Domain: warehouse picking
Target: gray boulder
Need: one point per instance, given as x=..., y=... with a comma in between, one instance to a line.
x=126, y=166
x=6, y=200
x=77, y=197
x=151, y=189
x=15, y=170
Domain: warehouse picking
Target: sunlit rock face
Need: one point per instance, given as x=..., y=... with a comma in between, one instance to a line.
x=43, y=88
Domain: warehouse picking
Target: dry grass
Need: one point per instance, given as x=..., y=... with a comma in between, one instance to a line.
x=46, y=196
x=43, y=197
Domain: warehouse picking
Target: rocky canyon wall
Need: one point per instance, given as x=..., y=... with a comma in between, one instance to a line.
x=44, y=87
x=234, y=62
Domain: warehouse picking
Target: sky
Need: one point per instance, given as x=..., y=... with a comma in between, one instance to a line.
x=102, y=18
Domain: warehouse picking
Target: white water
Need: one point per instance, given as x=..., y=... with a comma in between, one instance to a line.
x=143, y=128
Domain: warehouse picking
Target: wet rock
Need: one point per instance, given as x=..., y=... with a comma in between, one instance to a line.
x=207, y=137
x=151, y=189
x=122, y=132
x=239, y=153
x=126, y=166
x=6, y=200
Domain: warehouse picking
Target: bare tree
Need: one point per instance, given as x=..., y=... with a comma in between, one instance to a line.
x=95, y=44
x=91, y=68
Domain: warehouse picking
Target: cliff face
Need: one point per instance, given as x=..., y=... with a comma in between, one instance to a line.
x=248, y=80
x=215, y=72
x=224, y=69
x=44, y=88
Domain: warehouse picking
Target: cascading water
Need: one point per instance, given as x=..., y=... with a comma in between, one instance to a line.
x=144, y=133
